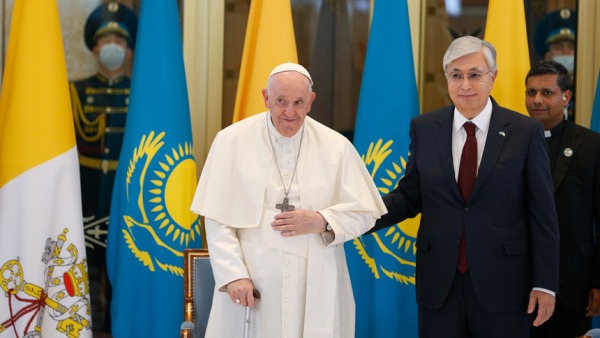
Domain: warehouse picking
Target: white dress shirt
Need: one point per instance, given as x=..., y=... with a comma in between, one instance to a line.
x=459, y=136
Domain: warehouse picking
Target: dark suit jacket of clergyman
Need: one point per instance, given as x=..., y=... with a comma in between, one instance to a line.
x=509, y=220
x=577, y=197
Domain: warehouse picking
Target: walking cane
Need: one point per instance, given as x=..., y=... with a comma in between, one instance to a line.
x=256, y=295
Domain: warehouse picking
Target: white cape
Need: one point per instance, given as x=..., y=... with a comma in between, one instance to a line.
x=332, y=179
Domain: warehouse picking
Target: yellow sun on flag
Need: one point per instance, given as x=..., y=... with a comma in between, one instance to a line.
x=408, y=228
x=171, y=191
x=398, y=244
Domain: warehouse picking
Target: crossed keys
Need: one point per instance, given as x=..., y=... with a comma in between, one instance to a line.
x=69, y=319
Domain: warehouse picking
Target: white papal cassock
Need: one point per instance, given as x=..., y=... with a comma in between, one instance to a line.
x=303, y=280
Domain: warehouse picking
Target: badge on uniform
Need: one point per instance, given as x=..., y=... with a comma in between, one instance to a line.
x=568, y=152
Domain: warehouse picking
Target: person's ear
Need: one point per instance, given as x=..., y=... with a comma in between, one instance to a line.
x=567, y=96
x=266, y=97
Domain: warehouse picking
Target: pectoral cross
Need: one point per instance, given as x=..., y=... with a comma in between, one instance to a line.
x=285, y=206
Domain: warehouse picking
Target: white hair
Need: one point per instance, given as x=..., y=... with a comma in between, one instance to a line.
x=468, y=45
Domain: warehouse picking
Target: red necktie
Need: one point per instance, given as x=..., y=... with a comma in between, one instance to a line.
x=467, y=173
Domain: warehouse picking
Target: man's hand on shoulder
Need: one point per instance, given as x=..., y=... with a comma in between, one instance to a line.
x=593, y=308
x=545, y=302
x=299, y=222
x=241, y=292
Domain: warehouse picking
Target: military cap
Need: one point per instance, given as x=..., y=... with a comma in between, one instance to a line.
x=555, y=26
x=111, y=17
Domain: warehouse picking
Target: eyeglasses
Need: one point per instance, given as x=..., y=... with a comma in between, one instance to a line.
x=282, y=103
x=473, y=77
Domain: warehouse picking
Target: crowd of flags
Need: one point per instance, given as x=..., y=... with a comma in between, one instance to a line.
x=40, y=220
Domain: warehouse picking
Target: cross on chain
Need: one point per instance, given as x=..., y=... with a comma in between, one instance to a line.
x=285, y=206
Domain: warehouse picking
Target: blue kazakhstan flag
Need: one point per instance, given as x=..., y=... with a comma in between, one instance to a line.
x=382, y=265
x=151, y=223
x=595, y=126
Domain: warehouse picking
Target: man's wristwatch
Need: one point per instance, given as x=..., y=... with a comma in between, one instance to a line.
x=328, y=228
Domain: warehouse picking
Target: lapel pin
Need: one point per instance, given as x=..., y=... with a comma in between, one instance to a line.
x=568, y=152
x=502, y=133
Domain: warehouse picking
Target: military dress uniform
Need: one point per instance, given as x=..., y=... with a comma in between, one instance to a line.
x=100, y=111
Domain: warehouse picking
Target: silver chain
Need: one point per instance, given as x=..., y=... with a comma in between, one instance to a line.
x=287, y=191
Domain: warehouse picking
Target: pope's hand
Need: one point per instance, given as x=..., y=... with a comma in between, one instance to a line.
x=240, y=292
x=299, y=222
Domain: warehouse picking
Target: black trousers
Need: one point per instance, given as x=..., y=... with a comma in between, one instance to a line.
x=565, y=322
x=461, y=316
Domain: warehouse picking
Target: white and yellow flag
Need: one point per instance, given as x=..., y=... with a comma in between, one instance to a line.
x=43, y=268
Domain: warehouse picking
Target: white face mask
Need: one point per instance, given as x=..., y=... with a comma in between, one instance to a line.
x=112, y=56
x=566, y=60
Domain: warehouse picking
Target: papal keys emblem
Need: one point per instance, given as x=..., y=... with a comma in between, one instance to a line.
x=64, y=293
x=394, y=253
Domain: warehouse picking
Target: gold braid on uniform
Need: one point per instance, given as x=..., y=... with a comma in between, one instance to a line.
x=79, y=116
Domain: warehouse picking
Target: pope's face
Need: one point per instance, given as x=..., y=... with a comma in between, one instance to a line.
x=289, y=100
x=470, y=96
x=545, y=101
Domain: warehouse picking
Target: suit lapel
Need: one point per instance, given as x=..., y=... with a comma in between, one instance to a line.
x=561, y=166
x=498, y=134
x=443, y=138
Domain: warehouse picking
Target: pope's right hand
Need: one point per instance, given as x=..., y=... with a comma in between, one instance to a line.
x=240, y=292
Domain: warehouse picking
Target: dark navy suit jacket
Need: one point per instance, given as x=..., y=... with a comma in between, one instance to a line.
x=509, y=220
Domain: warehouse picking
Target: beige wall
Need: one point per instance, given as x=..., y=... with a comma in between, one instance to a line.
x=203, y=56
x=588, y=60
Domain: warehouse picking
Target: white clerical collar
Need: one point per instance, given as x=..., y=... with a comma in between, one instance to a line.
x=276, y=134
x=482, y=120
x=548, y=133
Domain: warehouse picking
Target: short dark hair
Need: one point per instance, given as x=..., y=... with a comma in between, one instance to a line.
x=549, y=67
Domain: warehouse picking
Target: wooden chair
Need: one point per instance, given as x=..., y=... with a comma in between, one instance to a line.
x=199, y=285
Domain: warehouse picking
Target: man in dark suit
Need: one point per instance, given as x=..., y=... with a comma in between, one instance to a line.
x=487, y=246
x=575, y=165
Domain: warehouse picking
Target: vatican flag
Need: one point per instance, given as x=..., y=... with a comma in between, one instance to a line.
x=43, y=268
x=507, y=19
x=270, y=41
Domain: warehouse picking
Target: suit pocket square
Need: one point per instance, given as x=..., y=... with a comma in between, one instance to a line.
x=516, y=247
x=587, y=249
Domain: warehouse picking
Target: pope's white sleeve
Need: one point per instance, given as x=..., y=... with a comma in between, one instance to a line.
x=346, y=225
x=226, y=257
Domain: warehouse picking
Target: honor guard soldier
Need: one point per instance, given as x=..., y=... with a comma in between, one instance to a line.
x=100, y=109
x=554, y=39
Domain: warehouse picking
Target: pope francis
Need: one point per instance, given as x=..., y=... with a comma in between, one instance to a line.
x=280, y=194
